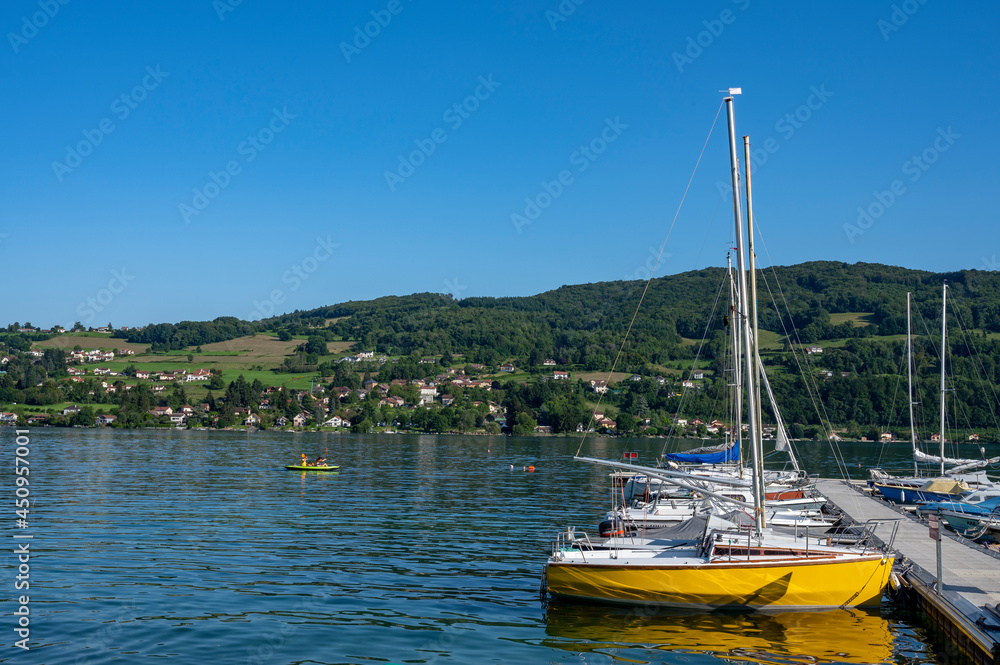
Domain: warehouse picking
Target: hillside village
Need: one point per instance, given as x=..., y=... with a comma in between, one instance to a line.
x=452, y=396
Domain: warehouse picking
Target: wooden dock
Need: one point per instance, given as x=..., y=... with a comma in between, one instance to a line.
x=967, y=608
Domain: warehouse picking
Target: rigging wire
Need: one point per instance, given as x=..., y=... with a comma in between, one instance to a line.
x=649, y=281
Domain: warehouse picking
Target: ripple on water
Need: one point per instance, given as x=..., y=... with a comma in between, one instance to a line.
x=201, y=548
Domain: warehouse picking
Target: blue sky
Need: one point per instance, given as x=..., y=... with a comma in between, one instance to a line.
x=182, y=161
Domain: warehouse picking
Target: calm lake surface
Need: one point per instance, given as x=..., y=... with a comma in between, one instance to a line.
x=198, y=547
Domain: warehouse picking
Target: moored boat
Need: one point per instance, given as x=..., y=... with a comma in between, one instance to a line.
x=712, y=562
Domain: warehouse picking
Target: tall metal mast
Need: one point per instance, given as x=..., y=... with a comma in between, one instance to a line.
x=758, y=497
x=909, y=383
x=752, y=303
x=734, y=332
x=944, y=349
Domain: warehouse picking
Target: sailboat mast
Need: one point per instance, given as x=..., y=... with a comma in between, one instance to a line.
x=909, y=382
x=752, y=305
x=758, y=497
x=944, y=348
x=737, y=414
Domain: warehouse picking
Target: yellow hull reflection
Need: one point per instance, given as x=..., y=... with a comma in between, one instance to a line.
x=857, y=581
x=829, y=636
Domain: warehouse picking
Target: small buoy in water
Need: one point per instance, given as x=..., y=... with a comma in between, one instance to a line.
x=531, y=468
x=511, y=467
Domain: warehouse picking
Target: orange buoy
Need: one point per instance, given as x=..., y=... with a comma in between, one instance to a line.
x=531, y=468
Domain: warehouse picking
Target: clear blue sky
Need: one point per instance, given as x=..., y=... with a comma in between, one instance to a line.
x=121, y=121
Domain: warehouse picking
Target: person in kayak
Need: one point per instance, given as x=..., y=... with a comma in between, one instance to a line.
x=320, y=461
x=305, y=460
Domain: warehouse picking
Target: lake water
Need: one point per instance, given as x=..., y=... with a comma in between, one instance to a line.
x=198, y=547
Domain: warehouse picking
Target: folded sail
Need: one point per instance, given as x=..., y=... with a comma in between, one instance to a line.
x=725, y=452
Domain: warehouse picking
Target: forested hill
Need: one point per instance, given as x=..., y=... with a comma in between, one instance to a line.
x=583, y=325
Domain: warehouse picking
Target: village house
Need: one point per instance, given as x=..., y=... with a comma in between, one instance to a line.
x=126, y=352
x=427, y=394
x=300, y=419
x=698, y=375
x=447, y=400
x=814, y=349
x=549, y=362
x=8, y=418
x=544, y=429
x=199, y=375
x=37, y=419
x=560, y=375
x=687, y=384
x=141, y=374
x=161, y=411
x=600, y=386
x=73, y=371
x=281, y=422
x=507, y=367
x=335, y=421
x=70, y=410
x=102, y=371
x=363, y=355
x=105, y=419
x=885, y=436
x=252, y=419
x=158, y=389
x=178, y=419
x=635, y=377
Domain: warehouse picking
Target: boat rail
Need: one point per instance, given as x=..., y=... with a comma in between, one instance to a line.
x=568, y=540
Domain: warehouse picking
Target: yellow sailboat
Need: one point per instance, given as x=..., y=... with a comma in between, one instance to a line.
x=710, y=562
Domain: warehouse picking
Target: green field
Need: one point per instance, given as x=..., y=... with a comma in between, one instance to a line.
x=859, y=319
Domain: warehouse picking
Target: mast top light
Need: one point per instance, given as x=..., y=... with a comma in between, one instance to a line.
x=734, y=91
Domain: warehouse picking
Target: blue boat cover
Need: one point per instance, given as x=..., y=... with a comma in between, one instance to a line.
x=708, y=455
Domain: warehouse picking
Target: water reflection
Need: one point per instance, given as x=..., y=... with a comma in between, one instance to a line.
x=831, y=636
